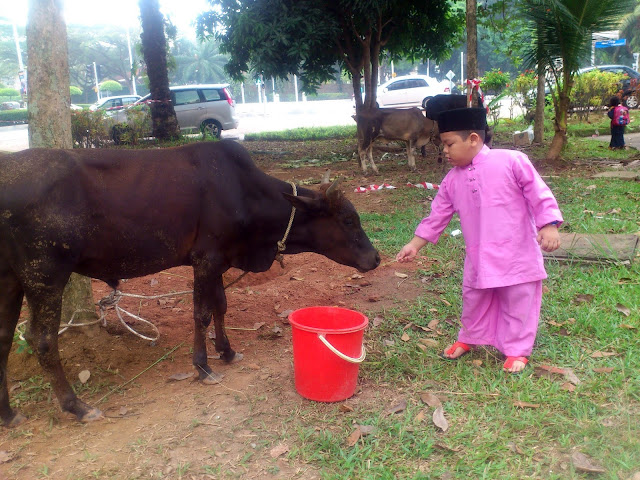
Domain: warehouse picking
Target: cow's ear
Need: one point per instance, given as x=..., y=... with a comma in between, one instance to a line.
x=303, y=203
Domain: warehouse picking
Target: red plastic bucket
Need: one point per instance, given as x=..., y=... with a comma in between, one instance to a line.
x=327, y=351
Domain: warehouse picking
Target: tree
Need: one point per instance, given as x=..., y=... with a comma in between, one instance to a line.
x=561, y=31
x=201, y=63
x=309, y=38
x=154, y=49
x=50, y=114
x=472, y=44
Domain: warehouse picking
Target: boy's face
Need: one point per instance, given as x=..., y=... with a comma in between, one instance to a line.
x=459, y=151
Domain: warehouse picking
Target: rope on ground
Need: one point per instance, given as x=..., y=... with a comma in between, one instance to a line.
x=111, y=301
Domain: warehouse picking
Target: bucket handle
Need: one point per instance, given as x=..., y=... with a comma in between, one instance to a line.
x=340, y=354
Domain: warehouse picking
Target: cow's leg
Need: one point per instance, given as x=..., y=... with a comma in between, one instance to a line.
x=410, y=158
x=209, y=301
x=42, y=334
x=370, y=156
x=11, y=294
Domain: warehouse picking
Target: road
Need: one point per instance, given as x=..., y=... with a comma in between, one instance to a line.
x=254, y=118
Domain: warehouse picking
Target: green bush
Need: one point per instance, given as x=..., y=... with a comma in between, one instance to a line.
x=494, y=81
x=137, y=127
x=89, y=129
x=593, y=89
x=523, y=90
x=12, y=93
x=10, y=117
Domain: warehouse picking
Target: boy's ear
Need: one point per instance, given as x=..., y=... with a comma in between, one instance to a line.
x=474, y=137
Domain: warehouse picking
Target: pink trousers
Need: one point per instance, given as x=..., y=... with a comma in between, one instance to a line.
x=504, y=317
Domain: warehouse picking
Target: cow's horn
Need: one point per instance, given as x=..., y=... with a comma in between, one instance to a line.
x=326, y=176
x=333, y=188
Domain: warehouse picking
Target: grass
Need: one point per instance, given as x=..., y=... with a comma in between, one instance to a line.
x=306, y=133
x=489, y=435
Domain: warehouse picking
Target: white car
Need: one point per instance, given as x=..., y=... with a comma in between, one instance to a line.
x=409, y=91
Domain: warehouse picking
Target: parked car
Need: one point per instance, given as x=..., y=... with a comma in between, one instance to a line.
x=9, y=105
x=629, y=85
x=207, y=108
x=409, y=91
x=114, y=103
x=76, y=108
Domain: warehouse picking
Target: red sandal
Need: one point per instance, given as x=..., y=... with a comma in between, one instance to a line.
x=452, y=349
x=510, y=360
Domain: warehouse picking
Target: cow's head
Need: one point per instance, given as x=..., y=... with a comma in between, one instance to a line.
x=329, y=224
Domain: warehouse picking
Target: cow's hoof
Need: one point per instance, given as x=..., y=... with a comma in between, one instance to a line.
x=212, y=378
x=236, y=358
x=17, y=420
x=91, y=415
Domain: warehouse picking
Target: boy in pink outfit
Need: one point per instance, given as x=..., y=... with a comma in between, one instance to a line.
x=507, y=214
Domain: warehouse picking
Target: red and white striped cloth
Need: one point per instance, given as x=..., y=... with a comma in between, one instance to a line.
x=373, y=188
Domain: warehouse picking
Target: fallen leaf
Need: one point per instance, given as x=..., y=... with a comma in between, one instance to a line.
x=583, y=463
x=623, y=310
x=590, y=187
x=448, y=449
x=476, y=362
x=548, y=370
x=299, y=279
x=627, y=326
x=377, y=321
x=356, y=276
x=545, y=289
x=445, y=302
x=399, y=407
x=279, y=450
x=5, y=456
x=345, y=408
x=123, y=411
x=374, y=298
x=604, y=370
x=354, y=437
x=153, y=282
x=388, y=343
x=258, y=326
x=284, y=314
x=514, y=448
x=176, y=377
x=433, y=324
x=405, y=337
x=277, y=330
x=429, y=342
x=603, y=354
x=571, y=376
x=419, y=417
x=367, y=430
x=526, y=405
x=422, y=347
x=568, y=386
x=430, y=399
x=84, y=376
x=401, y=275
x=439, y=420
x=408, y=325
x=583, y=298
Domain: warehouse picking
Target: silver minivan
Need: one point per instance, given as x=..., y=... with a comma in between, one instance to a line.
x=207, y=108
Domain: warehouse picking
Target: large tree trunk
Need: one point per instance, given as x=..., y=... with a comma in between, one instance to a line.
x=472, y=46
x=50, y=114
x=538, y=122
x=560, y=126
x=154, y=48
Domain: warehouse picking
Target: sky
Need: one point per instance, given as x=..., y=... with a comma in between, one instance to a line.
x=119, y=12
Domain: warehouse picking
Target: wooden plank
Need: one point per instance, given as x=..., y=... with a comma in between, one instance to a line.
x=595, y=248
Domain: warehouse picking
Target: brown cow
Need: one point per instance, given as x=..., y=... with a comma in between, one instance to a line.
x=112, y=214
x=407, y=124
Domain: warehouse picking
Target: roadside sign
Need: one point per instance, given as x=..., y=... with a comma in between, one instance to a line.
x=450, y=75
x=611, y=43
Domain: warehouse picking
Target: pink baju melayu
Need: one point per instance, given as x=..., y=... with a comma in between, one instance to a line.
x=502, y=203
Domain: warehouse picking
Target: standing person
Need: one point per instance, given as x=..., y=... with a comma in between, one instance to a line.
x=507, y=214
x=619, y=116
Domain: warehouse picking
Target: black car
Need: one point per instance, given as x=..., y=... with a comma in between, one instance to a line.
x=629, y=84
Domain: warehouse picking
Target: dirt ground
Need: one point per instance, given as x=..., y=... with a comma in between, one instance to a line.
x=159, y=427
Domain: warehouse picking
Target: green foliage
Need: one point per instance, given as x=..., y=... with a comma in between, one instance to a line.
x=523, y=91
x=12, y=93
x=110, y=86
x=593, y=89
x=138, y=125
x=302, y=134
x=13, y=116
x=74, y=90
x=89, y=129
x=495, y=81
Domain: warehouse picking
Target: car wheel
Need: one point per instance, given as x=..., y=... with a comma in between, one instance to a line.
x=211, y=128
x=119, y=134
x=631, y=101
x=424, y=102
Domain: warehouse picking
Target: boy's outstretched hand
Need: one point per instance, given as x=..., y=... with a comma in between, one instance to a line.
x=549, y=238
x=410, y=250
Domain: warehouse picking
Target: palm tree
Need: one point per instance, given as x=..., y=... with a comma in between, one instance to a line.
x=201, y=63
x=561, y=31
x=630, y=28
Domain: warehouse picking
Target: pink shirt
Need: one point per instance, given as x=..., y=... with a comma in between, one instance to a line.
x=502, y=203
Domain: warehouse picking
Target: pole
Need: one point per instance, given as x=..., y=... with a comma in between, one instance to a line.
x=95, y=76
x=462, y=69
x=242, y=91
x=295, y=86
x=17, y=40
x=133, y=75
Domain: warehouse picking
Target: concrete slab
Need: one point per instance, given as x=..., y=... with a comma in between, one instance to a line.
x=595, y=248
x=622, y=174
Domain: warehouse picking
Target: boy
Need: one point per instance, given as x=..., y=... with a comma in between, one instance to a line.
x=507, y=214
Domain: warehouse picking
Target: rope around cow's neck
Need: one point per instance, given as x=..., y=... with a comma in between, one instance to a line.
x=282, y=244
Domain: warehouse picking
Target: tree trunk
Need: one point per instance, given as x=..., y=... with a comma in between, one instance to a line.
x=154, y=49
x=50, y=114
x=538, y=122
x=472, y=46
x=560, y=126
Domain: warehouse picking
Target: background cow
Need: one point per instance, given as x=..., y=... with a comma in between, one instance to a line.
x=112, y=214
x=408, y=124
